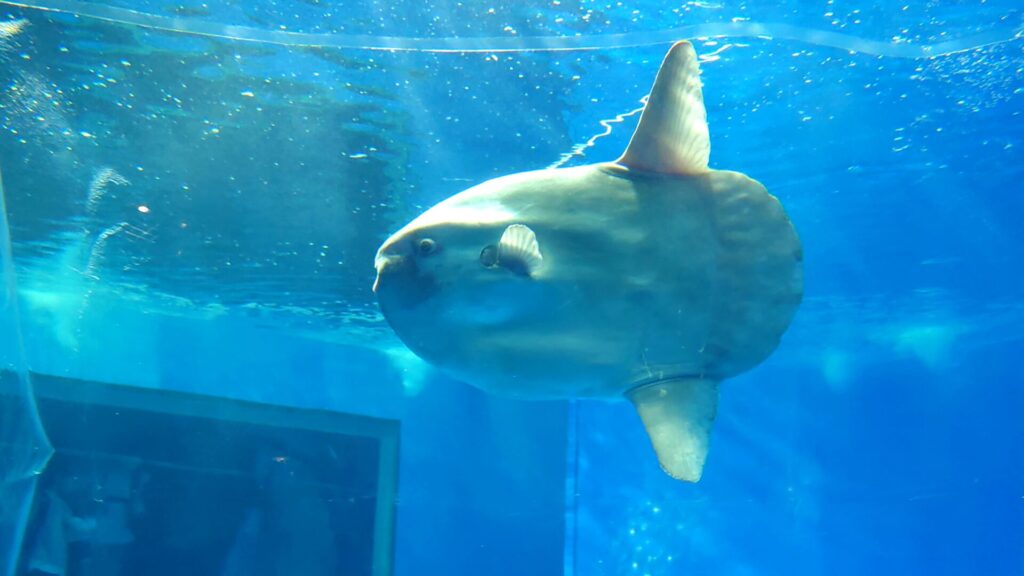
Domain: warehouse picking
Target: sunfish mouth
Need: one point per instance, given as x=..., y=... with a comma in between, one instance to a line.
x=399, y=282
x=386, y=264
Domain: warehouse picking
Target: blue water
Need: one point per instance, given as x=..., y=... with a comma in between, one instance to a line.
x=195, y=194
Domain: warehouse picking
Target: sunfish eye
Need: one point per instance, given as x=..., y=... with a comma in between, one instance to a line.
x=489, y=256
x=426, y=246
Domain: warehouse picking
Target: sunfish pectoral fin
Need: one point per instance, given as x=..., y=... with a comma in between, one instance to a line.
x=672, y=136
x=519, y=250
x=678, y=415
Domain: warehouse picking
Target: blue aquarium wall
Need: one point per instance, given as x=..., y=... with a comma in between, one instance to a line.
x=805, y=478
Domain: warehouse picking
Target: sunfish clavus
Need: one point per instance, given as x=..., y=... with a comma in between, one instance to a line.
x=652, y=277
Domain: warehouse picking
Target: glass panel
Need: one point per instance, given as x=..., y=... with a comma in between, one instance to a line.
x=24, y=448
x=276, y=490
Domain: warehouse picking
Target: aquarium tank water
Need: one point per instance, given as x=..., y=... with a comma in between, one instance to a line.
x=196, y=376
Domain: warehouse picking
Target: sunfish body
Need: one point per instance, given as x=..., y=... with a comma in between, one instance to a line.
x=651, y=278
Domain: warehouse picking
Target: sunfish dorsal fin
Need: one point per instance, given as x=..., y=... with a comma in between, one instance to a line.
x=672, y=136
x=678, y=415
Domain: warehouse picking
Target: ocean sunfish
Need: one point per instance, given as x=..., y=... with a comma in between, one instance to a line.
x=651, y=278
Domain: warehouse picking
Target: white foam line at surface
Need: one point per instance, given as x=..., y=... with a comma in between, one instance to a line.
x=196, y=27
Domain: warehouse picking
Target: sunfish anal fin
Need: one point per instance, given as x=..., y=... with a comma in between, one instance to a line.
x=678, y=415
x=519, y=250
x=672, y=136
